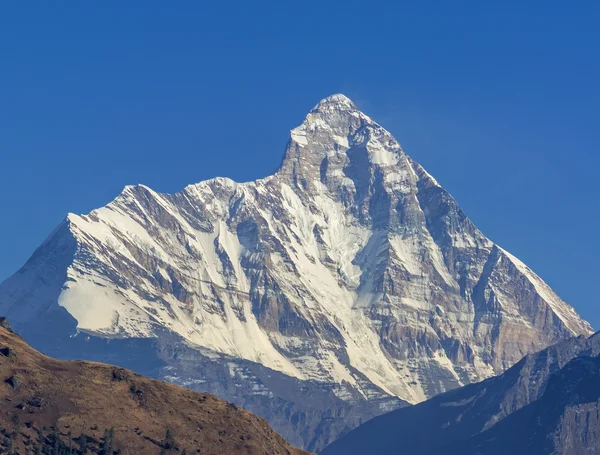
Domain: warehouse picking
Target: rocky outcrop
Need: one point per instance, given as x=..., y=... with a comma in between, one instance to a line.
x=350, y=271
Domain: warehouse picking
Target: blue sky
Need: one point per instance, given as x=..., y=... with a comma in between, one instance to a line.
x=499, y=102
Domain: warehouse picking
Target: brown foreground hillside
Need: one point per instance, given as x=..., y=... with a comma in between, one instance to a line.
x=59, y=407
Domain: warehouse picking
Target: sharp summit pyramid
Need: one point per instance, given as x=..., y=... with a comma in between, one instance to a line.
x=345, y=285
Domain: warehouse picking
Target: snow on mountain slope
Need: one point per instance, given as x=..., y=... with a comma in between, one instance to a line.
x=351, y=267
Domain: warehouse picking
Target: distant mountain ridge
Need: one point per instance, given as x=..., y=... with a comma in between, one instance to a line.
x=349, y=274
x=548, y=403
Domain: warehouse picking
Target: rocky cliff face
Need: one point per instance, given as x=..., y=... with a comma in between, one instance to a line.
x=548, y=403
x=349, y=271
x=497, y=415
x=564, y=420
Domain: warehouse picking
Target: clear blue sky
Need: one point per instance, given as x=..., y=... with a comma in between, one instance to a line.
x=500, y=103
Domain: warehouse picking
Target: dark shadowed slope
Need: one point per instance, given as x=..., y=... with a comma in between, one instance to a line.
x=547, y=403
x=565, y=420
x=48, y=403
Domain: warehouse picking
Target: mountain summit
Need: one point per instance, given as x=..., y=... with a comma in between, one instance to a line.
x=350, y=274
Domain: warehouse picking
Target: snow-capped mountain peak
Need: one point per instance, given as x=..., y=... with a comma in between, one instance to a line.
x=337, y=101
x=350, y=267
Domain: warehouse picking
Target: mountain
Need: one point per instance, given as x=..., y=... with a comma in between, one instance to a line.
x=346, y=285
x=563, y=421
x=54, y=404
x=548, y=403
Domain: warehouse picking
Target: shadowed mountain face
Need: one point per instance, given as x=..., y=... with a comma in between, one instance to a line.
x=547, y=403
x=66, y=406
x=565, y=420
x=350, y=275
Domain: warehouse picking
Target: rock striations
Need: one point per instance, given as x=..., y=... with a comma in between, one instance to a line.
x=350, y=275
